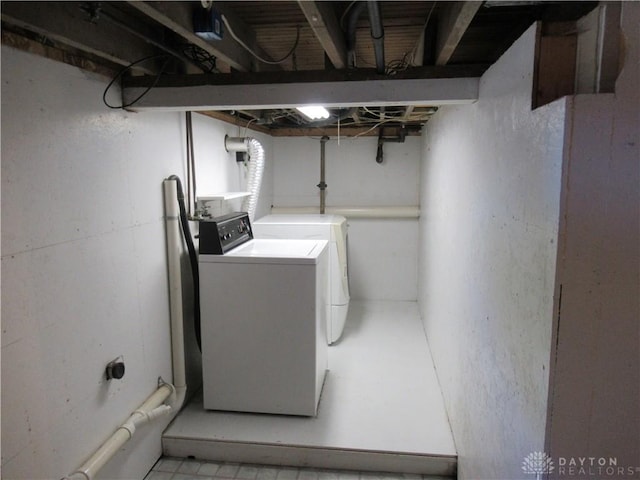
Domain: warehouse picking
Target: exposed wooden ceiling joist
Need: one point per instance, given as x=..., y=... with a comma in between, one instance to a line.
x=247, y=35
x=211, y=94
x=178, y=17
x=454, y=20
x=67, y=23
x=326, y=28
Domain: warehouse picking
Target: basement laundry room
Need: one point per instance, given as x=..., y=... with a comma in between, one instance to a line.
x=437, y=280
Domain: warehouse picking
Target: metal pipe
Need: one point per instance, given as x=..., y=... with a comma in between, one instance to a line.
x=377, y=34
x=354, y=16
x=322, y=185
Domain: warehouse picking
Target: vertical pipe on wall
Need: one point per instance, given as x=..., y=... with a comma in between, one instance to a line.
x=322, y=185
x=191, y=167
x=174, y=248
x=377, y=34
x=154, y=407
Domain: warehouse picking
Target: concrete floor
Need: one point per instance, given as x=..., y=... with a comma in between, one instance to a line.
x=381, y=408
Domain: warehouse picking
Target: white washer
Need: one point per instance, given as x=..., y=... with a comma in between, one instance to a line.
x=332, y=228
x=263, y=310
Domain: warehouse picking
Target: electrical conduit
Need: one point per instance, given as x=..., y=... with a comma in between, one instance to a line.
x=154, y=406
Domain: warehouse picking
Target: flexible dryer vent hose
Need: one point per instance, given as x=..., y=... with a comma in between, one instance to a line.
x=255, y=165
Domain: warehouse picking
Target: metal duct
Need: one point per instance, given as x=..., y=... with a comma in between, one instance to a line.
x=354, y=16
x=377, y=34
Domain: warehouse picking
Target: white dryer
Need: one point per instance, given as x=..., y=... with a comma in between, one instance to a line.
x=332, y=228
x=263, y=320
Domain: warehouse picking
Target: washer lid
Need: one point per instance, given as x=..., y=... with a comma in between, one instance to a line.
x=302, y=219
x=274, y=251
x=310, y=226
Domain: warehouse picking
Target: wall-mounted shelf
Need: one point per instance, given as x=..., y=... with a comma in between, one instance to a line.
x=222, y=196
x=217, y=204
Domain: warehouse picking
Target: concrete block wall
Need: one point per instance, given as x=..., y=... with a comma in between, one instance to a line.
x=84, y=275
x=490, y=193
x=382, y=252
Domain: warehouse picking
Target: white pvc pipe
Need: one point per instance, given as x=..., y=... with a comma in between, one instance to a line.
x=356, y=212
x=174, y=251
x=154, y=407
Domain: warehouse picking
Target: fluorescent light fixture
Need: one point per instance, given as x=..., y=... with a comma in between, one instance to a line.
x=314, y=112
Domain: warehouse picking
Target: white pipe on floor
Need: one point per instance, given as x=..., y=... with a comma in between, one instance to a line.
x=154, y=407
x=356, y=212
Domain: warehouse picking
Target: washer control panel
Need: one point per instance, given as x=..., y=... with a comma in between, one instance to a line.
x=221, y=234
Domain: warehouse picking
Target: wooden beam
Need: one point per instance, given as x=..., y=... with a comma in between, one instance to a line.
x=65, y=55
x=178, y=17
x=233, y=120
x=248, y=36
x=326, y=28
x=379, y=92
x=66, y=23
x=307, y=76
x=331, y=132
x=453, y=21
x=556, y=68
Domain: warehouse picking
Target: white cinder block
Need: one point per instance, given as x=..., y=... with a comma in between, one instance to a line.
x=84, y=263
x=491, y=178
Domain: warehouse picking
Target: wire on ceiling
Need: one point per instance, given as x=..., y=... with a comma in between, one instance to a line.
x=128, y=67
x=250, y=50
x=204, y=59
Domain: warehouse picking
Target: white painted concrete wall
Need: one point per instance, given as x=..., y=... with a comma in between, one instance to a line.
x=490, y=200
x=594, y=406
x=382, y=252
x=83, y=263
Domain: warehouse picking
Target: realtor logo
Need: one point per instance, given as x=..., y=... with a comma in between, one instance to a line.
x=538, y=463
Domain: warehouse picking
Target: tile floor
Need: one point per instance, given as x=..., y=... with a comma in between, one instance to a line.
x=169, y=468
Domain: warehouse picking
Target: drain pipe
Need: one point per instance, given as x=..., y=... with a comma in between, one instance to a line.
x=377, y=34
x=322, y=185
x=151, y=409
x=154, y=407
x=354, y=16
x=174, y=249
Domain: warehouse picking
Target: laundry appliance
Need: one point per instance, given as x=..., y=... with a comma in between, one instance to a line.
x=332, y=228
x=263, y=319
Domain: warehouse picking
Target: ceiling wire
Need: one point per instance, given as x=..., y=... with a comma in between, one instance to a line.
x=374, y=127
x=247, y=126
x=258, y=57
x=414, y=50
